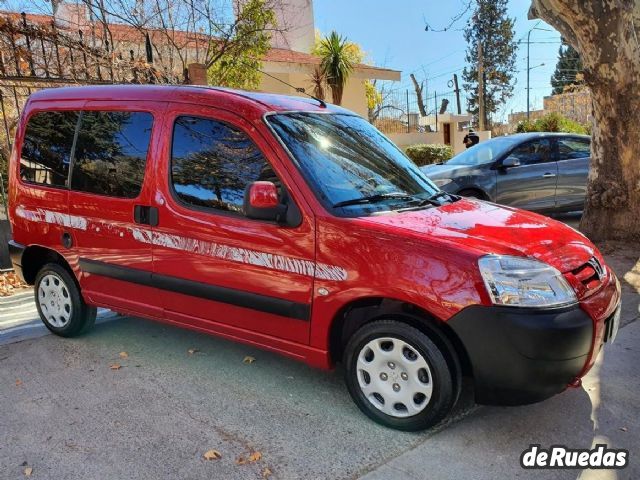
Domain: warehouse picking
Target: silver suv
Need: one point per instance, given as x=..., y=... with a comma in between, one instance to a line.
x=543, y=172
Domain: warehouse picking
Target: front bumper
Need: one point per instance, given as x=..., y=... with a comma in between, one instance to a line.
x=525, y=355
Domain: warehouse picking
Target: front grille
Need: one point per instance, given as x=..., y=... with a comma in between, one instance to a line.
x=590, y=274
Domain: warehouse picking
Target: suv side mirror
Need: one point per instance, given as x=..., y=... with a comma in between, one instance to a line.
x=510, y=162
x=261, y=202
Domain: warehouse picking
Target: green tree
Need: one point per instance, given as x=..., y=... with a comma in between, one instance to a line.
x=493, y=29
x=240, y=59
x=569, y=65
x=337, y=62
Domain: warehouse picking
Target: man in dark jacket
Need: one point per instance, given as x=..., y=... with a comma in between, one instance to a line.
x=471, y=139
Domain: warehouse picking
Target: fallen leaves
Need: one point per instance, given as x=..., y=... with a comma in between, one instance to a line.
x=253, y=457
x=248, y=360
x=191, y=351
x=266, y=473
x=18, y=382
x=123, y=355
x=9, y=283
x=28, y=471
x=115, y=366
x=212, y=455
x=624, y=429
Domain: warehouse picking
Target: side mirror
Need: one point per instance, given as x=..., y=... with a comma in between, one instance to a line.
x=510, y=162
x=261, y=202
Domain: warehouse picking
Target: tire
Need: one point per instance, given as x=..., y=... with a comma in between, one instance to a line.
x=418, y=369
x=469, y=193
x=59, y=302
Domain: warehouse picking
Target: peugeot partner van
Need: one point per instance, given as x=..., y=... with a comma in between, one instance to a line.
x=297, y=227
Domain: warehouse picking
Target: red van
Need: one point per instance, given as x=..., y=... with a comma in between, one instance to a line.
x=296, y=226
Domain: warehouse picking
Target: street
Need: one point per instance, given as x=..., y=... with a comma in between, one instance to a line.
x=69, y=412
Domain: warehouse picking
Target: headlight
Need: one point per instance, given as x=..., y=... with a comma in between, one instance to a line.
x=524, y=282
x=441, y=182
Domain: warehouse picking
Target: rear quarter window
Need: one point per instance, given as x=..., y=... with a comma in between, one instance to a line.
x=46, y=149
x=111, y=153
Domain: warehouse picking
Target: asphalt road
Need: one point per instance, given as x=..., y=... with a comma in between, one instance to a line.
x=68, y=415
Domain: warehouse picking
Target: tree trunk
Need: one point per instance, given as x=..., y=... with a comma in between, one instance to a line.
x=419, y=87
x=603, y=32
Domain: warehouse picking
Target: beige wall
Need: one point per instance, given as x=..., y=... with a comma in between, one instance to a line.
x=353, y=98
x=403, y=140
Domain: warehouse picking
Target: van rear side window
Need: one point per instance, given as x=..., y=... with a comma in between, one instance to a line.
x=46, y=150
x=111, y=153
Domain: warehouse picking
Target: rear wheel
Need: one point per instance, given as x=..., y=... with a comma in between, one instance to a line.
x=398, y=376
x=59, y=303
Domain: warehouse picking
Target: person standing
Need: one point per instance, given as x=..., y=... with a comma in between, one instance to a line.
x=471, y=139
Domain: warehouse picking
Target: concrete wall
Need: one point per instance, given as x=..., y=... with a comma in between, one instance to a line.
x=403, y=140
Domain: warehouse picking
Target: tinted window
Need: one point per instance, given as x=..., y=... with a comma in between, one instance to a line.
x=46, y=150
x=111, y=153
x=570, y=148
x=212, y=163
x=530, y=153
x=344, y=158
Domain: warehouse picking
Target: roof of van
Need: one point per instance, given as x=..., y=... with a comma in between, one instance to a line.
x=202, y=95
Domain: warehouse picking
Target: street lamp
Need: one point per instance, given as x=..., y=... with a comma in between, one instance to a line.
x=529, y=68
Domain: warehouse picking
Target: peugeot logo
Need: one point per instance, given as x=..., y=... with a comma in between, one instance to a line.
x=597, y=266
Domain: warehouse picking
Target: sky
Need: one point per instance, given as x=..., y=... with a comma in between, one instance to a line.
x=393, y=35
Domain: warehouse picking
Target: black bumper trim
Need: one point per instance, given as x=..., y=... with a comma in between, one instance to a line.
x=15, y=254
x=523, y=355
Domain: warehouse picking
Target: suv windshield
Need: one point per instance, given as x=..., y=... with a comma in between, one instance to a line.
x=352, y=168
x=484, y=152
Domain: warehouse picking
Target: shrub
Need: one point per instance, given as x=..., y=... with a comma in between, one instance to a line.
x=426, y=154
x=553, y=122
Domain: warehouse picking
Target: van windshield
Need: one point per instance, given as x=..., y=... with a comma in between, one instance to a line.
x=353, y=169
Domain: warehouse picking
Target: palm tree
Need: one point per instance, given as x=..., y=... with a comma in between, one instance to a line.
x=336, y=64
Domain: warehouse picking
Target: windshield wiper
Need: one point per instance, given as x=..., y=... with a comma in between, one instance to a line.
x=373, y=199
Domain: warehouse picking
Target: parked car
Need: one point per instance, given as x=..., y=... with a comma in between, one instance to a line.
x=298, y=227
x=542, y=172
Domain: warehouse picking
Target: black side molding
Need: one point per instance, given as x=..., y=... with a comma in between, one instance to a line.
x=231, y=296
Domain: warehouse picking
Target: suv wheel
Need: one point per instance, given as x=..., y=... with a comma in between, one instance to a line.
x=398, y=377
x=59, y=303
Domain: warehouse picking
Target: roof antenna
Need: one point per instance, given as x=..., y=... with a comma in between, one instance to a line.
x=297, y=89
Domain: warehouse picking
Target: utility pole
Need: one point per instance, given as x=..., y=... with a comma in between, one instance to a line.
x=481, y=113
x=528, y=67
x=457, y=90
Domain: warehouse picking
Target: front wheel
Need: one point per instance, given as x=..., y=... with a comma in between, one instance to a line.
x=397, y=376
x=59, y=302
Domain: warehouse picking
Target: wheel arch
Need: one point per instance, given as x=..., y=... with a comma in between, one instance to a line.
x=35, y=257
x=362, y=311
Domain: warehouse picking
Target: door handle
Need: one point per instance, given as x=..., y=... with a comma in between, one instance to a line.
x=548, y=175
x=146, y=215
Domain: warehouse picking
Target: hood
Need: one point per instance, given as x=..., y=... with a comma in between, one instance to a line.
x=488, y=228
x=440, y=171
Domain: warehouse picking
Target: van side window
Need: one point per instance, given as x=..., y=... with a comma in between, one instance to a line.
x=46, y=150
x=212, y=163
x=111, y=152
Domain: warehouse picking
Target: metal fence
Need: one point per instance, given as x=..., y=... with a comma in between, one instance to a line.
x=34, y=56
x=401, y=112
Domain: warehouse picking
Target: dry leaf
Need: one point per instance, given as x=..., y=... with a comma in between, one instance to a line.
x=624, y=429
x=28, y=471
x=123, y=355
x=191, y=351
x=18, y=382
x=241, y=460
x=115, y=366
x=248, y=360
x=266, y=473
x=255, y=456
x=212, y=455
